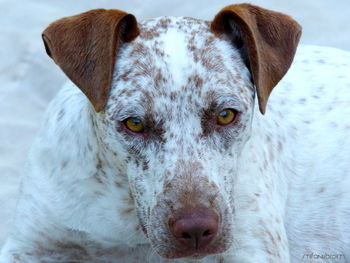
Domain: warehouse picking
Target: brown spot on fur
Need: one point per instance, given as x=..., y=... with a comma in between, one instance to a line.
x=321, y=190
x=97, y=178
x=279, y=146
x=60, y=114
x=207, y=121
x=126, y=211
x=302, y=101
x=333, y=124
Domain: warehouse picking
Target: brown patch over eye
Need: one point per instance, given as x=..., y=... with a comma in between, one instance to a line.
x=226, y=117
x=134, y=124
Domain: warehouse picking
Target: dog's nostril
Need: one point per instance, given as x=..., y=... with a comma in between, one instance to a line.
x=186, y=235
x=206, y=233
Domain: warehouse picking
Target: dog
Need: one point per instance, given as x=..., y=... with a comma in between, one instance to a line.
x=163, y=148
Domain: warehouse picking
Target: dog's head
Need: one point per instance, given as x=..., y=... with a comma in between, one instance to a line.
x=174, y=100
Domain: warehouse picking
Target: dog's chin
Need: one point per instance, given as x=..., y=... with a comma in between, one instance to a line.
x=181, y=255
x=189, y=254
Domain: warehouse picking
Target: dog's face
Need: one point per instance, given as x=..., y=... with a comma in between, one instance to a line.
x=175, y=109
x=180, y=109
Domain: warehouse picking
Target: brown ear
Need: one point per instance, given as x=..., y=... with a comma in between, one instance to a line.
x=85, y=47
x=269, y=40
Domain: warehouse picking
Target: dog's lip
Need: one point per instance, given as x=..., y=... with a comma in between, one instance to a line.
x=187, y=255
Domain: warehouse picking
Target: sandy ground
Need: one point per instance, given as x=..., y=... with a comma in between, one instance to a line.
x=29, y=79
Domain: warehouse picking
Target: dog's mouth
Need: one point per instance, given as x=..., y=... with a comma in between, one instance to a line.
x=194, y=254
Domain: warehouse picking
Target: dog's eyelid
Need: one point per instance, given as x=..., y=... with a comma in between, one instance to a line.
x=232, y=104
x=129, y=113
x=224, y=100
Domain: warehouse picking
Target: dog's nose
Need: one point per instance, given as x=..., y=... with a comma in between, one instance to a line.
x=194, y=228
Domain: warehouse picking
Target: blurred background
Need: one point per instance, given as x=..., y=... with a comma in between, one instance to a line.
x=29, y=78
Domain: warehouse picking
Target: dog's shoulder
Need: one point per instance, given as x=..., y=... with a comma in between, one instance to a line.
x=314, y=95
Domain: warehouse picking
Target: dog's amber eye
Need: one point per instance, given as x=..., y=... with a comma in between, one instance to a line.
x=225, y=117
x=134, y=124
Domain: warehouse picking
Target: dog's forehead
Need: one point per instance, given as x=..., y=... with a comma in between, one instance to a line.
x=180, y=59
